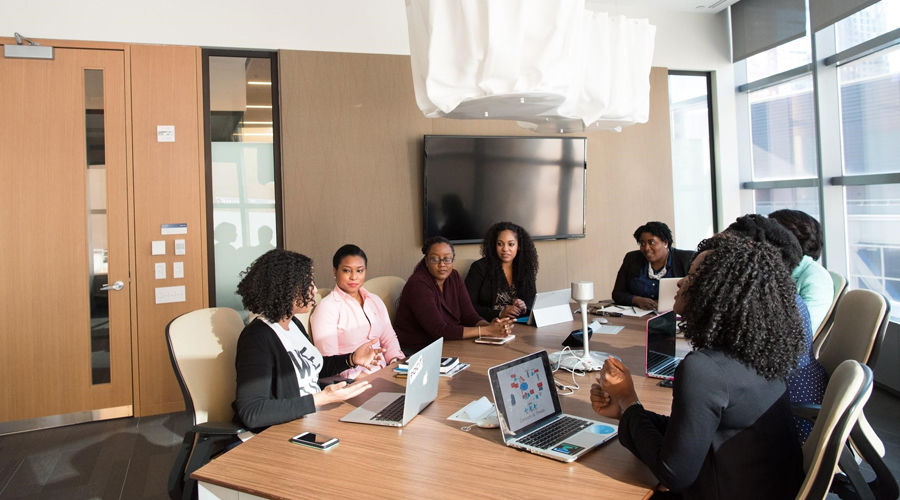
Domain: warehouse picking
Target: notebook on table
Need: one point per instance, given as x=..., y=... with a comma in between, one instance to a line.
x=396, y=409
x=530, y=415
x=661, y=361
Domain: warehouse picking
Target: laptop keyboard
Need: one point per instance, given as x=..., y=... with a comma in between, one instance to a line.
x=660, y=364
x=555, y=432
x=392, y=412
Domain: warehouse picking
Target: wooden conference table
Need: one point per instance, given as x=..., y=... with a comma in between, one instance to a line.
x=431, y=457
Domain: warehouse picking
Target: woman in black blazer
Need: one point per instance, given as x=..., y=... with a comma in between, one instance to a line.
x=637, y=283
x=502, y=283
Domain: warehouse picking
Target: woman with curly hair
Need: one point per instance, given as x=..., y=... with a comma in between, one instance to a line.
x=637, y=283
x=730, y=433
x=278, y=368
x=814, y=283
x=502, y=283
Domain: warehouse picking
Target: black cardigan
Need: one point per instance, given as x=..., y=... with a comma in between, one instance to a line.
x=631, y=267
x=267, y=388
x=483, y=286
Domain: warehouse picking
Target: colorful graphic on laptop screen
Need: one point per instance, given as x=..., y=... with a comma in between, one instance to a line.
x=525, y=393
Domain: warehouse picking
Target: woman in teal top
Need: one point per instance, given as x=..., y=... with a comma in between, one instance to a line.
x=813, y=281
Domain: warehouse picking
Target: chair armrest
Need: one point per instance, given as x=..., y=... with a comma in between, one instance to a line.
x=218, y=429
x=806, y=411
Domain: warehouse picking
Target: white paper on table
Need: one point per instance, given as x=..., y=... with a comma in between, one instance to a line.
x=635, y=312
x=596, y=327
x=474, y=412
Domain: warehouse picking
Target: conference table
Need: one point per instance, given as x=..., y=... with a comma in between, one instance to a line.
x=432, y=457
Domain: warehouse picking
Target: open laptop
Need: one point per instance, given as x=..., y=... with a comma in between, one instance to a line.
x=530, y=416
x=661, y=360
x=551, y=308
x=667, y=289
x=397, y=409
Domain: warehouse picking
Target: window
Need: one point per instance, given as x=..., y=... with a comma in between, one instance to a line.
x=783, y=131
x=804, y=199
x=243, y=170
x=692, y=165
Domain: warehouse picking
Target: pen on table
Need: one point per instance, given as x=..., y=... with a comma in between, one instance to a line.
x=632, y=310
x=618, y=306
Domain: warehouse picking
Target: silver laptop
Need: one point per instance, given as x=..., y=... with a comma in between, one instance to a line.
x=551, y=307
x=530, y=416
x=661, y=361
x=667, y=289
x=396, y=409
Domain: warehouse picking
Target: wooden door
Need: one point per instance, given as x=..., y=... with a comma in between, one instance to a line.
x=66, y=344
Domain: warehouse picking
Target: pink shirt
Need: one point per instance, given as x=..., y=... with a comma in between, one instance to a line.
x=340, y=325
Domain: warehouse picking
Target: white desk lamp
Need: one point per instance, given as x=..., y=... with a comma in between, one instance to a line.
x=584, y=359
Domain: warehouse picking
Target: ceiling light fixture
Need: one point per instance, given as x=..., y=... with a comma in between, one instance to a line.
x=548, y=64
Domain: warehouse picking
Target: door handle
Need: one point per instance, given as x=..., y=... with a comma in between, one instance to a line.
x=118, y=285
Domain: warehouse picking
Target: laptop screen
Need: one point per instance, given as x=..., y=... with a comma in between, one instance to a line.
x=661, y=334
x=524, y=394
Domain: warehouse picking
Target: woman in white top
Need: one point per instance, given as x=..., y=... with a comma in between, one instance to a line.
x=278, y=368
x=351, y=315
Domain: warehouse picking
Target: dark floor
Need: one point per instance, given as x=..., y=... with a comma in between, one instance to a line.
x=130, y=458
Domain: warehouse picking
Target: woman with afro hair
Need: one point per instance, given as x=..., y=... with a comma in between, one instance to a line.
x=502, y=283
x=730, y=433
x=278, y=368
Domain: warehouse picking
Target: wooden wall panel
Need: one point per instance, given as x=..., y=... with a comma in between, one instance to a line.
x=168, y=188
x=352, y=171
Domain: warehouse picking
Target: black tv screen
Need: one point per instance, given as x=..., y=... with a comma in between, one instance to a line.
x=471, y=182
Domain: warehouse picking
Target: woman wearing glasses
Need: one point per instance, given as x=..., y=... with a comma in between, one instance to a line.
x=637, y=283
x=434, y=303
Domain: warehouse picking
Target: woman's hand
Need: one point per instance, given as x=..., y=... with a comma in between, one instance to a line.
x=644, y=303
x=602, y=403
x=499, y=327
x=340, y=391
x=615, y=380
x=514, y=310
x=367, y=355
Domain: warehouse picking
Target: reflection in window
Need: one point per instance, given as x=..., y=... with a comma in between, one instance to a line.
x=787, y=56
x=867, y=24
x=783, y=131
x=243, y=168
x=873, y=239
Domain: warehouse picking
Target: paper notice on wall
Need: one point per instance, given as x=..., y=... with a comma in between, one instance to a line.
x=169, y=294
x=165, y=133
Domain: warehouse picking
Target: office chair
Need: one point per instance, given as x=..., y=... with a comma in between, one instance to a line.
x=388, y=288
x=840, y=286
x=848, y=390
x=860, y=321
x=202, y=347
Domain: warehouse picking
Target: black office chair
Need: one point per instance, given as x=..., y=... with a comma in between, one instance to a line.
x=202, y=347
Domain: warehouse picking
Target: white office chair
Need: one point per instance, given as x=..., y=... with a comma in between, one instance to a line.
x=848, y=390
x=202, y=346
x=840, y=286
x=388, y=289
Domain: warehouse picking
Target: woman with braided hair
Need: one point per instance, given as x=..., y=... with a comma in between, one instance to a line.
x=730, y=433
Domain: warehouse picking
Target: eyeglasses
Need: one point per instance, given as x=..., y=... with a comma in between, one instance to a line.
x=437, y=260
x=648, y=243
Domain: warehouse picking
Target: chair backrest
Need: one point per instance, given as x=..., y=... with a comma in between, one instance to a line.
x=202, y=344
x=848, y=390
x=388, y=289
x=840, y=286
x=860, y=321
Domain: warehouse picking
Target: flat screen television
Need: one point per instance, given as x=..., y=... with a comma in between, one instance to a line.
x=471, y=182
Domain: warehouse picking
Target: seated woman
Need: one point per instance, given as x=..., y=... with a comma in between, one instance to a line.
x=278, y=368
x=730, y=433
x=814, y=283
x=350, y=315
x=637, y=283
x=806, y=383
x=435, y=304
x=502, y=283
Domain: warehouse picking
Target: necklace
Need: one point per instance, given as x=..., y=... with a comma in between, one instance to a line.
x=655, y=275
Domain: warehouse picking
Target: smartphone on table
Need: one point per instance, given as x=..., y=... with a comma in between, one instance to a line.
x=315, y=440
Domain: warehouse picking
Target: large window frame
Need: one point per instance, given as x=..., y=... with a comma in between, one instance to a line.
x=207, y=144
x=830, y=180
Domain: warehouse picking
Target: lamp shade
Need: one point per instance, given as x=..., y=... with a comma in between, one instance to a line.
x=549, y=64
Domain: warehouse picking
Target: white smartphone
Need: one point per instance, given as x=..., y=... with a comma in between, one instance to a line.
x=494, y=340
x=315, y=440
